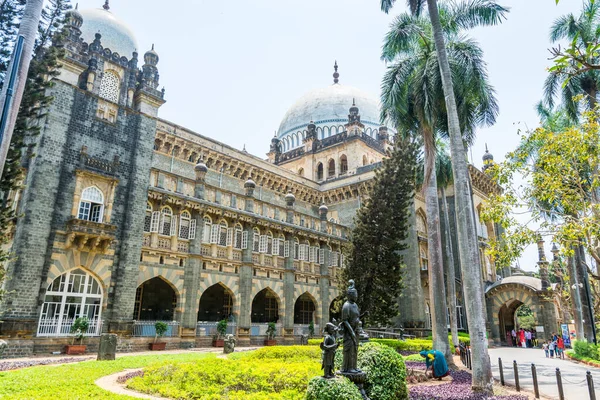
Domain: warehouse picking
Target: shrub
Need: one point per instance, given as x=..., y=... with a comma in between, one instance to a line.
x=221, y=328
x=79, y=328
x=386, y=372
x=584, y=349
x=314, y=342
x=404, y=345
x=285, y=353
x=463, y=338
x=311, y=329
x=271, y=330
x=160, y=327
x=337, y=388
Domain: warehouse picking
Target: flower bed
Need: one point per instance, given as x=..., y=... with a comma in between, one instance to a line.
x=10, y=365
x=458, y=389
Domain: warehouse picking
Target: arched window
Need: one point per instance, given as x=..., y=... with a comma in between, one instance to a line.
x=109, y=86
x=72, y=295
x=320, y=171
x=256, y=240
x=91, y=206
x=331, y=169
x=222, y=233
x=238, y=236
x=184, y=225
x=148, y=218
x=206, y=229
x=424, y=261
x=343, y=164
x=281, y=250
x=301, y=172
x=421, y=224
x=166, y=221
x=296, y=249
x=365, y=161
x=269, y=243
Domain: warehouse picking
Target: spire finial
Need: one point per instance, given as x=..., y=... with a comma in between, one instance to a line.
x=106, y=6
x=336, y=75
x=76, y=6
x=486, y=149
x=152, y=46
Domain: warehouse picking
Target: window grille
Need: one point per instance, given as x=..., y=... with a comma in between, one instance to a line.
x=238, y=237
x=109, y=86
x=214, y=233
x=223, y=233
x=206, y=230
x=148, y=219
x=174, y=225
x=321, y=256
x=256, y=242
x=155, y=221
x=281, y=246
x=184, y=225
x=286, y=248
x=244, y=240
x=193, y=229
x=229, y=236
x=263, y=244
x=165, y=221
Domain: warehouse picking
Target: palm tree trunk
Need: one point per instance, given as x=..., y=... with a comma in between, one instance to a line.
x=437, y=292
x=28, y=29
x=576, y=297
x=467, y=237
x=450, y=274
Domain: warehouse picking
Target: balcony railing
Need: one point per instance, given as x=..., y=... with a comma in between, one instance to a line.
x=57, y=327
x=208, y=328
x=146, y=328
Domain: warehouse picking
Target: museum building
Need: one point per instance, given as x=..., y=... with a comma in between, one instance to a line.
x=129, y=219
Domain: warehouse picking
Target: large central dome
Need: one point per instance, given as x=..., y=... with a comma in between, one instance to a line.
x=116, y=35
x=329, y=107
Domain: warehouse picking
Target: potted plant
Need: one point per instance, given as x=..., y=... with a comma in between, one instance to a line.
x=219, y=339
x=78, y=330
x=160, y=327
x=270, y=340
x=311, y=329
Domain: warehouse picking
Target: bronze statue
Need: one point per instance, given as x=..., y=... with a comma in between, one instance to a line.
x=351, y=329
x=329, y=346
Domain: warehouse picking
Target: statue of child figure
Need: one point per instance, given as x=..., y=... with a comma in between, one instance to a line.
x=329, y=345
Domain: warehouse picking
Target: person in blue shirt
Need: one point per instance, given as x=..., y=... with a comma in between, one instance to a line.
x=435, y=361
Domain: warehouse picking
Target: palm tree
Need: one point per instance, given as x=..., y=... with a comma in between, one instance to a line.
x=467, y=236
x=584, y=31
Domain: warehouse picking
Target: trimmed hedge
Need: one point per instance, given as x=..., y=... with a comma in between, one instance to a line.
x=463, y=338
x=271, y=373
x=398, y=345
x=336, y=388
x=583, y=350
x=386, y=372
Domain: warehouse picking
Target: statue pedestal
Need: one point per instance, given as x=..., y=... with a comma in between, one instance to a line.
x=358, y=378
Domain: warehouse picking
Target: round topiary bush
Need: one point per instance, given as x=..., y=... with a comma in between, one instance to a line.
x=336, y=388
x=386, y=372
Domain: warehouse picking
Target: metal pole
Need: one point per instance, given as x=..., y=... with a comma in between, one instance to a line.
x=536, y=390
x=561, y=393
x=469, y=360
x=590, y=382
x=11, y=85
x=516, y=369
x=501, y=371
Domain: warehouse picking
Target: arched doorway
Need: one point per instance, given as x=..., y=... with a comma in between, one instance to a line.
x=304, y=310
x=155, y=300
x=216, y=304
x=265, y=307
x=74, y=294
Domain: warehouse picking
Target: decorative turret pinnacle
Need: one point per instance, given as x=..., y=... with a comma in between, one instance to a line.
x=336, y=75
x=488, y=159
x=106, y=6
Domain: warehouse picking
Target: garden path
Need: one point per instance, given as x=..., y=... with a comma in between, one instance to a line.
x=573, y=374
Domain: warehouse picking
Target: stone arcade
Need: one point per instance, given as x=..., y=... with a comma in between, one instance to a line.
x=129, y=218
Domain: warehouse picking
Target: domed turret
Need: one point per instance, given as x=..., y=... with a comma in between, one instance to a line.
x=151, y=57
x=250, y=184
x=488, y=159
x=201, y=167
x=323, y=210
x=74, y=18
x=290, y=199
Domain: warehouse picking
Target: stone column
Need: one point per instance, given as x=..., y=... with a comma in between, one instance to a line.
x=191, y=281
x=201, y=169
x=324, y=288
x=246, y=274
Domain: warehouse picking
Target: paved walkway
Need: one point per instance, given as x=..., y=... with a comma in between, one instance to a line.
x=573, y=374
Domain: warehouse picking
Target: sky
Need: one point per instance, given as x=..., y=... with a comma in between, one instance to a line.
x=231, y=69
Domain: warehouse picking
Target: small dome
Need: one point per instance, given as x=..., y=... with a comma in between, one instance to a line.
x=151, y=57
x=290, y=198
x=74, y=18
x=250, y=184
x=323, y=209
x=487, y=156
x=201, y=167
x=116, y=35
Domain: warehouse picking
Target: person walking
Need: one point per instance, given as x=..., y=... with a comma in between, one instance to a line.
x=521, y=337
x=528, y=338
x=560, y=348
x=551, y=348
x=545, y=348
x=513, y=333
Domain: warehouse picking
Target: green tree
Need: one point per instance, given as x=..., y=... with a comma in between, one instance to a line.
x=10, y=12
x=414, y=101
x=381, y=227
x=467, y=237
x=583, y=32
x=44, y=66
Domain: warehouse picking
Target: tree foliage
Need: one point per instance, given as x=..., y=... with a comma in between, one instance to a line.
x=561, y=191
x=36, y=99
x=381, y=227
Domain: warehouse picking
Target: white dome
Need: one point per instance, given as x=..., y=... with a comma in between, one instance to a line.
x=116, y=35
x=329, y=107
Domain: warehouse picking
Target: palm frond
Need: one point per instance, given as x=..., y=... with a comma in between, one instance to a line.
x=404, y=31
x=473, y=13
x=386, y=5
x=564, y=27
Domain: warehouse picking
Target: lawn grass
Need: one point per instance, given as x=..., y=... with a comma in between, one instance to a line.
x=76, y=381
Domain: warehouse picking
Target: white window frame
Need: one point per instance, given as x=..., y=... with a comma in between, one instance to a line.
x=238, y=238
x=255, y=241
x=214, y=233
x=286, y=248
x=164, y=213
x=155, y=222
x=222, y=236
x=244, y=240
x=229, y=237
x=206, y=229
x=262, y=246
x=321, y=256
x=184, y=222
x=90, y=204
x=193, y=229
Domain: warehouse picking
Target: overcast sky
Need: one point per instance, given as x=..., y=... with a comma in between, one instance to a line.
x=231, y=69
